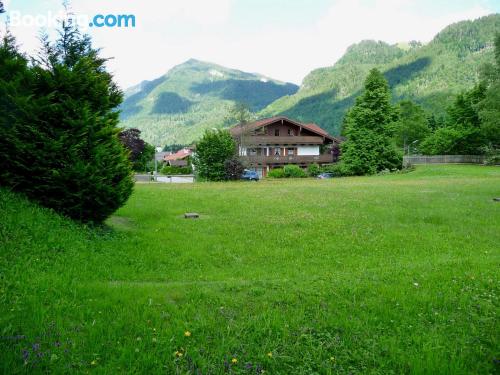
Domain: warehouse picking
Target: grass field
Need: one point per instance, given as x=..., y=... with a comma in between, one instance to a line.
x=372, y=275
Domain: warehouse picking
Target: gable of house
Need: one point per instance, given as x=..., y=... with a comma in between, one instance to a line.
x=281, y=126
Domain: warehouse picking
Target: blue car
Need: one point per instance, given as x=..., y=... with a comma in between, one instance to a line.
x=323, y=176
x=250, y=175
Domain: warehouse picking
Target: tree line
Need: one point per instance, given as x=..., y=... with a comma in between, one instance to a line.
x=471, y=124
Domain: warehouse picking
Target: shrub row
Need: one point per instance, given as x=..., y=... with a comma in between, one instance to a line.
x=313, y=170
x=169, y=170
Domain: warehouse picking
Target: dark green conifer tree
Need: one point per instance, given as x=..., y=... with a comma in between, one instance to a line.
x=367, y=126
x=64, y=149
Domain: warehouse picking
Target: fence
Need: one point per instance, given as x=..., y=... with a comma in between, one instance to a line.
x=444, y=159
x=163, y=178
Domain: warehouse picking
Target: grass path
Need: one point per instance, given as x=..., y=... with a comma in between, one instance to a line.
x=378, y=275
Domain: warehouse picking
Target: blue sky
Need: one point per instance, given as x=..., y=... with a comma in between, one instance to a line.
x=284, y=39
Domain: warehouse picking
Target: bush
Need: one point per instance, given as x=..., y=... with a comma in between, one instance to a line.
x=338, y=170
x=294, y=171
x=492, y=156
x=276, y=173
x=288, y=171
x=313, y=170
x=212, y=151
x=233, y=168
x=173, y=170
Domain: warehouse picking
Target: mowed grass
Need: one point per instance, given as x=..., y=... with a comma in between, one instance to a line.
x=371, y=275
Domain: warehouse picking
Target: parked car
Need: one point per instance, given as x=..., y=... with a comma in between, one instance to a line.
x=250, y=175
x=323, y=176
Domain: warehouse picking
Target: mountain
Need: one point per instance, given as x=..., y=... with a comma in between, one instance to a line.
x=193, y=96
x=427, y=74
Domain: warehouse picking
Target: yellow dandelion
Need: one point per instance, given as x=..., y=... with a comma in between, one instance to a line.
x=234, y=361
x=178, y=354
x=332, y=359
x=93, y=363
x=187, y=333
x=270, y=354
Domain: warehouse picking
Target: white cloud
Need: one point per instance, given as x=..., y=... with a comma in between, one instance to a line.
x=388, y=20
x=295, y=52
x=170, y=32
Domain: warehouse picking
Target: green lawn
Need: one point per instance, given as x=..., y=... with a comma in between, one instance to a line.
x=372, y=275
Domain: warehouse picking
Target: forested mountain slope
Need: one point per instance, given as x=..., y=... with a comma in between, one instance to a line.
x=193, y=96
x=427, y=74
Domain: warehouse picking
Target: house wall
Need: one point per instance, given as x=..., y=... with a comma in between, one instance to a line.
x=283, y=128
x=307, y=150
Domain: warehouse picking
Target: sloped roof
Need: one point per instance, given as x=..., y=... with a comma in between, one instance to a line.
x=181, y=154
x=160, y=155
x=248, y=127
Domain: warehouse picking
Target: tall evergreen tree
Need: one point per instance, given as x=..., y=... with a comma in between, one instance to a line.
x=367, y=126
x=64, y=146
x=17, y=101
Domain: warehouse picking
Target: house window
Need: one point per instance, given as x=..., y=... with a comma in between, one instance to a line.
x=251, y=152
x=277, y=152
x=290, y=132
x=291, y=151
x=277, y=132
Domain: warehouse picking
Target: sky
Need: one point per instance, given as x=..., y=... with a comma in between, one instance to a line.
x=282, y=39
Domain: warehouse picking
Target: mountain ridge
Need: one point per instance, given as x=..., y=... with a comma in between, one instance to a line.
x=429, y=74
x=193, y=96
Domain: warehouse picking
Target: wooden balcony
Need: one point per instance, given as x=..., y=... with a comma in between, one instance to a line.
x=284, y=140
x=290, y=159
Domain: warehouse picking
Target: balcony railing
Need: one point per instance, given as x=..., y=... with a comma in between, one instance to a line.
x=289, y=159
x=284, y=140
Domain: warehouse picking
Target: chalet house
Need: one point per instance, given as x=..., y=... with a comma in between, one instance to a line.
x=277, y=141
x=179, y=159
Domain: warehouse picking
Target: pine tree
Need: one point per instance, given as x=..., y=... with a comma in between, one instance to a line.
x=16, y=101
x=367, y=126
x=65, y=149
